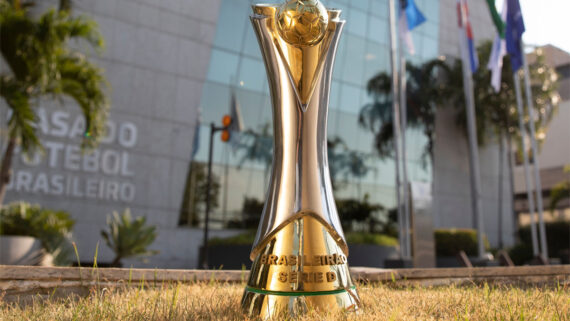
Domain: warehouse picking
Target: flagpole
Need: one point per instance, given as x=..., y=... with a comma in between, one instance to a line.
x=537, y=180
x=472, y=138
x=396, y=124
x=529, y=195
x=405, y=183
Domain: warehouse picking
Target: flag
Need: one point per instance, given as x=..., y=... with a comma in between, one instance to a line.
x=513, y=34
x=410, y=18
x=467, y=34
x=498, y=19
x=497, y=53
x=196, y=143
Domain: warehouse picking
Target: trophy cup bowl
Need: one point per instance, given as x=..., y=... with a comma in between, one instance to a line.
x=299, y=254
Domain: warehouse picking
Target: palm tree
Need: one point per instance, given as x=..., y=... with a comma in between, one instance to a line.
x=438, y=83
x=425, y=92
x=346, y=162
x=41, y=63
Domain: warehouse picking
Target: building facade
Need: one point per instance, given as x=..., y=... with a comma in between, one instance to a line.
x=554, y=151
x=174, y=66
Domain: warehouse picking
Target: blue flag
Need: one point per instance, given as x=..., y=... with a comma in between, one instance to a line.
x=514, y=32
x=413, y=15
x=410, y=18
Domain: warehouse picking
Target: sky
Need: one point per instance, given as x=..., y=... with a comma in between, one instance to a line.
x=546, y=22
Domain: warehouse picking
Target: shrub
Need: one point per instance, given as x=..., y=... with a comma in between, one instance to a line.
x=370, y=238
x=128, y=237
x=521, y=253
x=557, y=238
x=52, y=228
x=355, y=210
x=248, y=237
x=449, y=242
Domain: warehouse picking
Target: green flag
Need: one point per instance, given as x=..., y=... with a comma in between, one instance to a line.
x=499, y=23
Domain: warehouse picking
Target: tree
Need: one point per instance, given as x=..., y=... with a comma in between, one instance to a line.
x=195, y=192
x=41, y=63
x=424, y=94
x=346, y=162
x=258, y=147
x=439, y=82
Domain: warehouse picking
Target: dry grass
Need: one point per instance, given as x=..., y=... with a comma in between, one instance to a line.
x=221, y=302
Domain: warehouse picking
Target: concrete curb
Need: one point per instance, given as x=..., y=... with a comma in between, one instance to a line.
x=23, y=283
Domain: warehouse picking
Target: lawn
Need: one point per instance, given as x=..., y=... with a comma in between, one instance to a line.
x=380, y=302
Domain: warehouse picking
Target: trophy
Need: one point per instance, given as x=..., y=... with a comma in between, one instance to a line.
x=299, y=254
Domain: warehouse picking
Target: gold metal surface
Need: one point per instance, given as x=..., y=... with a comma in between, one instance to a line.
x=300, y=182
x=319, y=279
x=299, y=253
x=302, y=23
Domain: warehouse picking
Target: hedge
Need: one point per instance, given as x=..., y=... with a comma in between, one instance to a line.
x=449, y=242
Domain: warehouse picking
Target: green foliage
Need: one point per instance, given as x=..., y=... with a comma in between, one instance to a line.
x=353, y=210
x=557, y=237
x=52, y=228
x=345, y=162
x=521, y=253
x=128, y=237
x=424, y=95
x=448, y=242
x=496, y=113
x=438, y=83
x=252, y=209
x=248, y=237
x=371, y=238
x=560, y=191
x=41, y=62
x=194, y=201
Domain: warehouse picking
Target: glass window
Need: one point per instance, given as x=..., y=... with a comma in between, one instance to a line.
x=429, y=49
x=355, y=59
x=378, y=30
x=350, y=98
x=379, y=8
x=363, y=52
x=251, y=47
x=376, y=61
x=223, y=66
x=231, y=24
x=251, y=74
x=357, y=22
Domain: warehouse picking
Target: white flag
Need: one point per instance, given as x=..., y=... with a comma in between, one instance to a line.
x=499, y=51
x=405, y=33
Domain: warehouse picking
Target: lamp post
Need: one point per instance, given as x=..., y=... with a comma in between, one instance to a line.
x=226, y=122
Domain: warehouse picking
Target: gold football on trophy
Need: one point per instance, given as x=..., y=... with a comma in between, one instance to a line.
x=302, y=22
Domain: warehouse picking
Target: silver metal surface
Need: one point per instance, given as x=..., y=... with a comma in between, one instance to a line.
x=536, y=161
x=300, y=183
x=530, y=197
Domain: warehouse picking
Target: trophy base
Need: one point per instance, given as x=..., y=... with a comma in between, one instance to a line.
x=273, y=304
x=301, y=269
